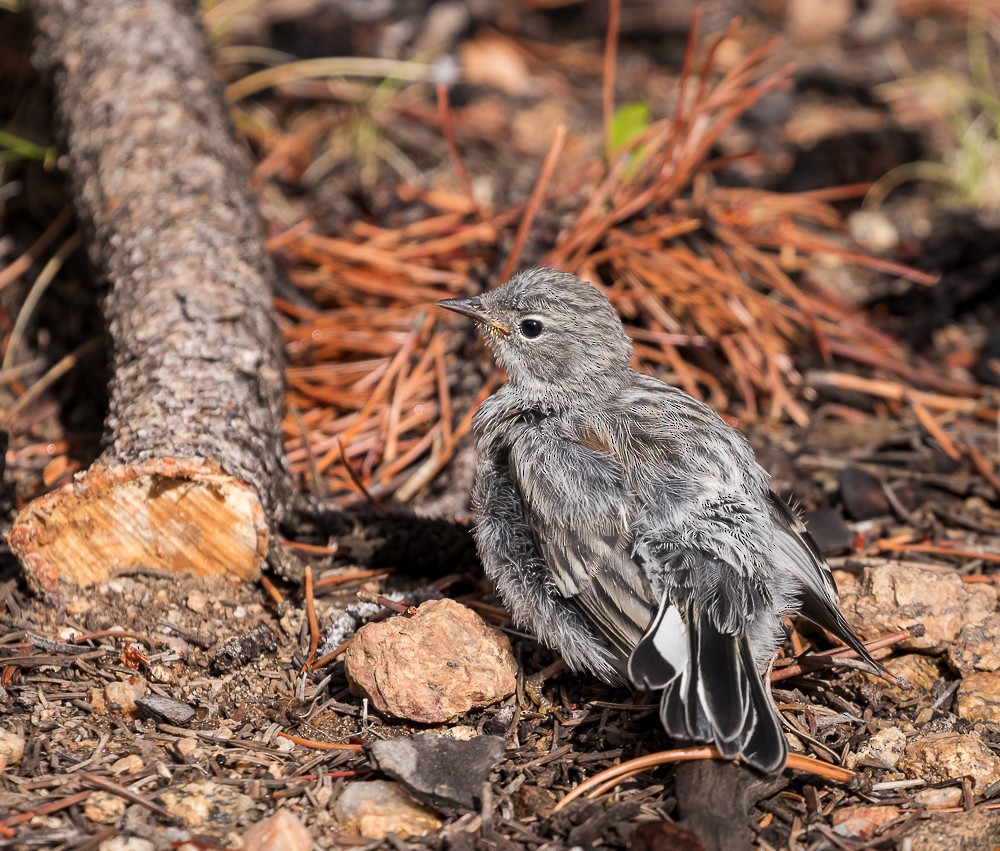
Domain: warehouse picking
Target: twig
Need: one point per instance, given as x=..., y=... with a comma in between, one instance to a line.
x=931, y=425
x=608, y=75
x=448, y=131
x=272, y=591
x=535, y=201
x=936, y=549
x=984, y=467
x=630, y=767
x=818, y=660
x=127, y=794
x=44, y=810
x=319, y=746
x=23, y=263
x=64, y=365
x=326, y=660
x=45, y=277
x=313, y=623
x=353, y=576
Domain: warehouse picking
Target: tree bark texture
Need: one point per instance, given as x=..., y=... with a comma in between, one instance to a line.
x=192, y=476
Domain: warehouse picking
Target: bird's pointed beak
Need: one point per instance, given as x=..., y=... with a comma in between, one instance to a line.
x=473, y=308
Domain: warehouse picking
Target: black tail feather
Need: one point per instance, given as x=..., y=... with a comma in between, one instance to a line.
x=721, y=698
x=673, y=708
x=765, y=746
x=722, y=685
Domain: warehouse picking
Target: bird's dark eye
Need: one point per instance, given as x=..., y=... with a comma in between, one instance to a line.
x=531, y=328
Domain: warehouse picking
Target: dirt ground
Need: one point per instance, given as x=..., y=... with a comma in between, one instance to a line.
x=891, y=452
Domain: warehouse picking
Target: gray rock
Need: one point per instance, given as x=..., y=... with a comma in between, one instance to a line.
x=165, y=709
x=445, y=773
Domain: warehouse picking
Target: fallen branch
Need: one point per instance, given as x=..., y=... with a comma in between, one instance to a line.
x=192, y=477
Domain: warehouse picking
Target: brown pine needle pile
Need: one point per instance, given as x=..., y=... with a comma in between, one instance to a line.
x=704, y=275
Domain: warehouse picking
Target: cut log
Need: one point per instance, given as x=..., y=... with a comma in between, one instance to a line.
x=193, y=474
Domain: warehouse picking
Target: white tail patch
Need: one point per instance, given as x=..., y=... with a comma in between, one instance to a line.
x=670, y=638
x=662, y=653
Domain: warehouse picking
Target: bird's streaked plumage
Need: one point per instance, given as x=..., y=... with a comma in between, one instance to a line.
x=629, y=527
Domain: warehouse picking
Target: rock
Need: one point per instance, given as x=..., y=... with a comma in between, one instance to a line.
x=278, y=832
x=243, y=649
x=127, y=765
x=164, y=674
x=376, y=808
x=885, y=747
x=186, y=748
x=862, y=494
x=126, y=843
x=978, y=697
x=977, y=647
x=119, y=697
x=921, y=672
x=971, y=831
x=945, y=796
x=203, y=802
x=815, y=21
x=165, y=709
x=951, y=756
x=492, y=61
x=861, y=822
x=433, y=666
x=104, y=808
x=873, y=231
x=534, y=801
x=11, y=748
x=446, y=773
x=894, y=596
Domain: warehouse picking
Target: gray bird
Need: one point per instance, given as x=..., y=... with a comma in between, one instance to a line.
x=629, y=527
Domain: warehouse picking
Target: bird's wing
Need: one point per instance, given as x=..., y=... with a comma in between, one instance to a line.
x=798, y=553
x=576, y=503
x=703, y=533
x=509, y=551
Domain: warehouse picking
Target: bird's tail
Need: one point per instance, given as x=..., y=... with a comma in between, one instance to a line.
x=712, y=689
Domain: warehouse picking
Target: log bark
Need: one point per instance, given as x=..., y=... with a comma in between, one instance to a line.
x=192, y=477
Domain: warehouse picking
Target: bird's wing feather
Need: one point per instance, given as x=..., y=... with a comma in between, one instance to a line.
x=511, y=557
x=576, y=503
x=799, y=554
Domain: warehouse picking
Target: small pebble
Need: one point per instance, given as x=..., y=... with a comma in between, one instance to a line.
x=433, y=666
x=104, y=808
x=376, y=808
x=11, y=748
x=279, y=832
x=165, y=709
x=186, y=747
x=127, y=765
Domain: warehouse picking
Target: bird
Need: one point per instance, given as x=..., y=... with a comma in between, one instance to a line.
x=629, y=527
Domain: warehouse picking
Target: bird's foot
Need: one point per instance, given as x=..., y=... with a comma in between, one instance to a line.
x=534, y=684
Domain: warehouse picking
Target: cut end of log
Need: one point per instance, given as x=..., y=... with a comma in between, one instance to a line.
x=172, y=514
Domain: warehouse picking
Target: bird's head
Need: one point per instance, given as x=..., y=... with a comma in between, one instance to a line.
x=557, y=337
